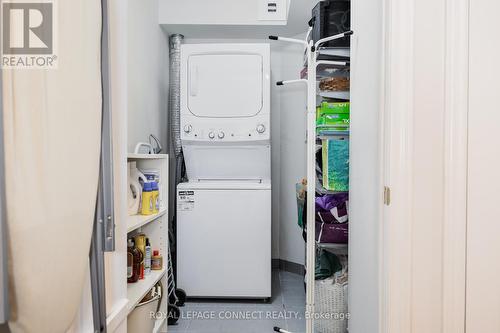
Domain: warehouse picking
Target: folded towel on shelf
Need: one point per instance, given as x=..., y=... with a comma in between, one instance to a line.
x=327, y=264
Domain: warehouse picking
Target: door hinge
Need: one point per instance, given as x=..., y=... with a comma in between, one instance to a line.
x=387, y=195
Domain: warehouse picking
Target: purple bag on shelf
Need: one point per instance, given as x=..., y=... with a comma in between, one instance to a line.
x=332, y=208
x=332, y=232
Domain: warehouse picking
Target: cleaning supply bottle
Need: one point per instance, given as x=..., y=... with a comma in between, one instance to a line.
x=147, y=200
x=134, y=189
x=156, y=197
x=134, y=259
x=147, y=258
x=135, y=177
x=156, y=261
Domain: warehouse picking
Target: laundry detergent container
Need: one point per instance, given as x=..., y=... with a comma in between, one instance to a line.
x=140, y=319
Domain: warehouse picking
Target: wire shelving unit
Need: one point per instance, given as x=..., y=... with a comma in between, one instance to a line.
x=309, y=79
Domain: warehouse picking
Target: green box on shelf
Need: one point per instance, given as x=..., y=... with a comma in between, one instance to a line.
x=335, y=153
x=333, y=114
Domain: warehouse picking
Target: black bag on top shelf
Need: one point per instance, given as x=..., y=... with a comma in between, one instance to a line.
x=329, y=18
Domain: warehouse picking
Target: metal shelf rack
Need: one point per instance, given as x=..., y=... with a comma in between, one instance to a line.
x=312, y=50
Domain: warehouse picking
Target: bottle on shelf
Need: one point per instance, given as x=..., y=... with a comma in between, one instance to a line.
x=147, y=258
x=134, y=259
x=156, y=197
x=156, y=261
x=135, y=177
x=140, y=243
x=147, y=199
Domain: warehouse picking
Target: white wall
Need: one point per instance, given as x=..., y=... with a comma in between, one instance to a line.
x=293, y=151
x=365, y=177
x=147, y=74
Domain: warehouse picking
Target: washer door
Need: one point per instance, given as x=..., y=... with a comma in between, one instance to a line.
x=225, y=85
x=224, y=242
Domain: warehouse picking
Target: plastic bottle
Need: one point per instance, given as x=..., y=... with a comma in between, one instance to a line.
x=147, y=200
x=156, y=261
x=135, y=178
x=134, y=259
x=147, y=258
x=130, y=259
x=156, y=197
x=140, y=243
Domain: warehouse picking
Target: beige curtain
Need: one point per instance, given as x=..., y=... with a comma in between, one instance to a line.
x=52, y=137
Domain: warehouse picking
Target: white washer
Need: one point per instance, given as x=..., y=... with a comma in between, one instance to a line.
x=224, y=211
x=224, y=239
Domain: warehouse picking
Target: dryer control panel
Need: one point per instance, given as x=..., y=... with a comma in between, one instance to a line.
x=225, y=93
x=193, y=129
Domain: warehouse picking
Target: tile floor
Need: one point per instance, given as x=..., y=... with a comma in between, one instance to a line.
x=286, y=310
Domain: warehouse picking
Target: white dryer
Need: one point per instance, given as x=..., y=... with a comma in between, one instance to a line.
x=224, y=211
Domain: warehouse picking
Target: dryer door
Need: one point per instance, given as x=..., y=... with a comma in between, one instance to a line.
x=225, y=85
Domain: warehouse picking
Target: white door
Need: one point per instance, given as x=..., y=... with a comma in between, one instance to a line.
x=224, y=243
x=483, y=211
x=225, y=85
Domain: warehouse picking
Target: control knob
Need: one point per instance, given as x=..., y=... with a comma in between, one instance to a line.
x=211, y=135
x=261, y=128
x=221, y=135
x=188, y=128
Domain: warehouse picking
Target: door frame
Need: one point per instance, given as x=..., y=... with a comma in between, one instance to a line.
x=397, y=172
x=456, y=166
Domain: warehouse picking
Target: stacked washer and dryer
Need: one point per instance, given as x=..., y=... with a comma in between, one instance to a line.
x=224, y=210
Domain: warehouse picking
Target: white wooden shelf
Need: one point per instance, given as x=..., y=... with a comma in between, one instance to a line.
x=132, y=156
x=136, y=221
x=333, y=247
x=344, y=52
x=155, y=227
x=136, y=291
x=335, y=94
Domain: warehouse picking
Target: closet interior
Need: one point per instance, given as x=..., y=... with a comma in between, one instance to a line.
x=241, y=168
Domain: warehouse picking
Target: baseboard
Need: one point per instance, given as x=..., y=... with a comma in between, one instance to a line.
x=288, y=266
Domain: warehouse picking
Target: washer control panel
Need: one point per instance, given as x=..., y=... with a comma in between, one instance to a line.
x=220, y=131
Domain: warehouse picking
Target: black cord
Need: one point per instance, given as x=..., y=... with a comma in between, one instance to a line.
x=157, y=146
